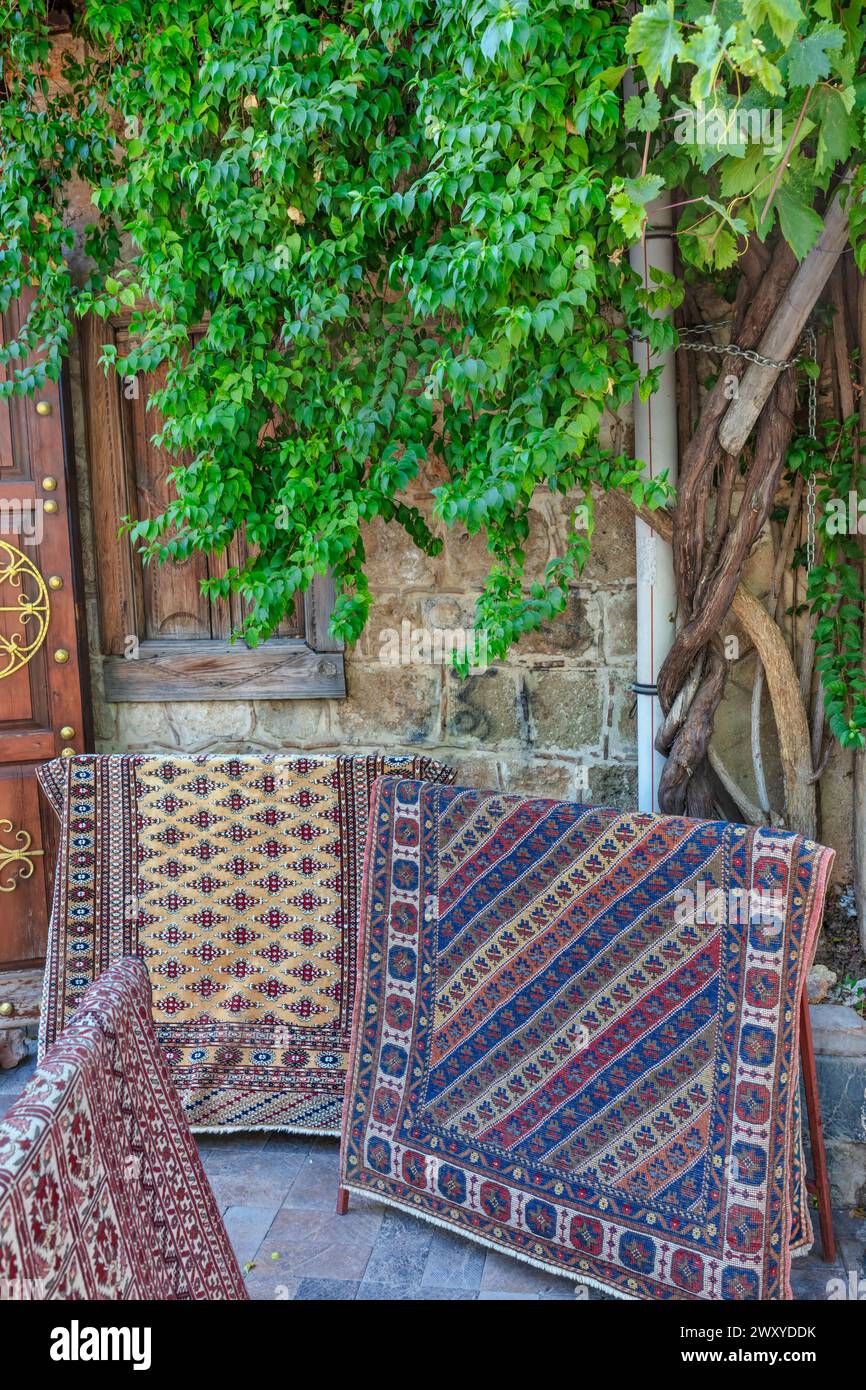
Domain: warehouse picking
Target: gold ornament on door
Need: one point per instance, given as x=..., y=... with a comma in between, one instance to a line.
x=19, y=642
x=20, y=853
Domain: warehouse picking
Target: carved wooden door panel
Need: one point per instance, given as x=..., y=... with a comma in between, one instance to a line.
x=43, y=711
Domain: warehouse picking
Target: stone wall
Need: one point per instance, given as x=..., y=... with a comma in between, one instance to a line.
x=840, y=1055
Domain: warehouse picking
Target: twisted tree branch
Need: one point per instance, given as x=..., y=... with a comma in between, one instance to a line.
x=782, y=682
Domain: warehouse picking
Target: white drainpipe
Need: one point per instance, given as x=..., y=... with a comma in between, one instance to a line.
x=655, y=442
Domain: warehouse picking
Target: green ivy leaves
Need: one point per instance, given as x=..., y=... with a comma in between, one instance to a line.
x=629, y=198
x=809, y=59
x=360, y=234
x=365, y=233
x=834, y=587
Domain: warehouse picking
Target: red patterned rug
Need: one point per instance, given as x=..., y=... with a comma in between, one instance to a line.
x=236, y=879
x=578, y=1040
x=102, y=1192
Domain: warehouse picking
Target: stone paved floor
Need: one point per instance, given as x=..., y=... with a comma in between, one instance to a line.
x=277, y=1192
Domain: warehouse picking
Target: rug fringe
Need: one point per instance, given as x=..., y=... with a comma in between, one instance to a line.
x=266, y=1129
x=490, y=1244
x=801, y=1250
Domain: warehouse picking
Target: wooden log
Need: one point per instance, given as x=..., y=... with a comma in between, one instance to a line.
x=783, y=332
x=753, y=311
x=752, y=813
x=790, y=715
x=713, y=598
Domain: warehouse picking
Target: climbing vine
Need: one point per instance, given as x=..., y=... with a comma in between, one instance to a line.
x=835, y=594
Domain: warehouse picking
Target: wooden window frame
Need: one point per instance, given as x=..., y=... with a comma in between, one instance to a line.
x=309, y=667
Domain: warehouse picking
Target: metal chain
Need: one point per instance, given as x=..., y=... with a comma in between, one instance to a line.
x=732, y=350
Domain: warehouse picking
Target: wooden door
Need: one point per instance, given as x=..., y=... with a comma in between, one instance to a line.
x=43, y=711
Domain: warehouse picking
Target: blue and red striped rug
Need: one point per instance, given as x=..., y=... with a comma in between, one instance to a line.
x=576, y=1036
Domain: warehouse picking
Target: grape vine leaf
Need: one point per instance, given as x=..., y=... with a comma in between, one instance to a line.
x=808, y=61
x=783, y=16
x=656, y=39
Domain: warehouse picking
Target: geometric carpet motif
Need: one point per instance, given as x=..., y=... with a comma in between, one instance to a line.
x=579, y=1036
x=236, y=879
x=239, y=891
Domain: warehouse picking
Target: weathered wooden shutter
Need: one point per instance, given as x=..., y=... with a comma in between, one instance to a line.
x=162, y=639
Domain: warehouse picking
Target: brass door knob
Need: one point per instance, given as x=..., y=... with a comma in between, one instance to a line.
x=43, y=407
x=67, y=752
x=61, y=656
x=7, y=1009
x=67, y=732
x=49, y=484
x=49, y=507
x=55, y=581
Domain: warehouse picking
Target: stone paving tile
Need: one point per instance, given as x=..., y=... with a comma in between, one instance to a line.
x=13, y=1081
x=810, y=1277
x=247, y=1227
x=453, y=1263
x=327, y=1289
x=490, y=1296
x=264, y=1286
x=388, y=1293
x=852, y=1255
x=311, y=1244
x=20, y=1074
x=401, y=1251
x=586, y=1293
x=240, y=1175
x=264, y=1279
x=290, y=1143
x=318, y=1177
x=850, y=1231
x=219, y=1152
x=848, y=1222
x=502, y=1275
